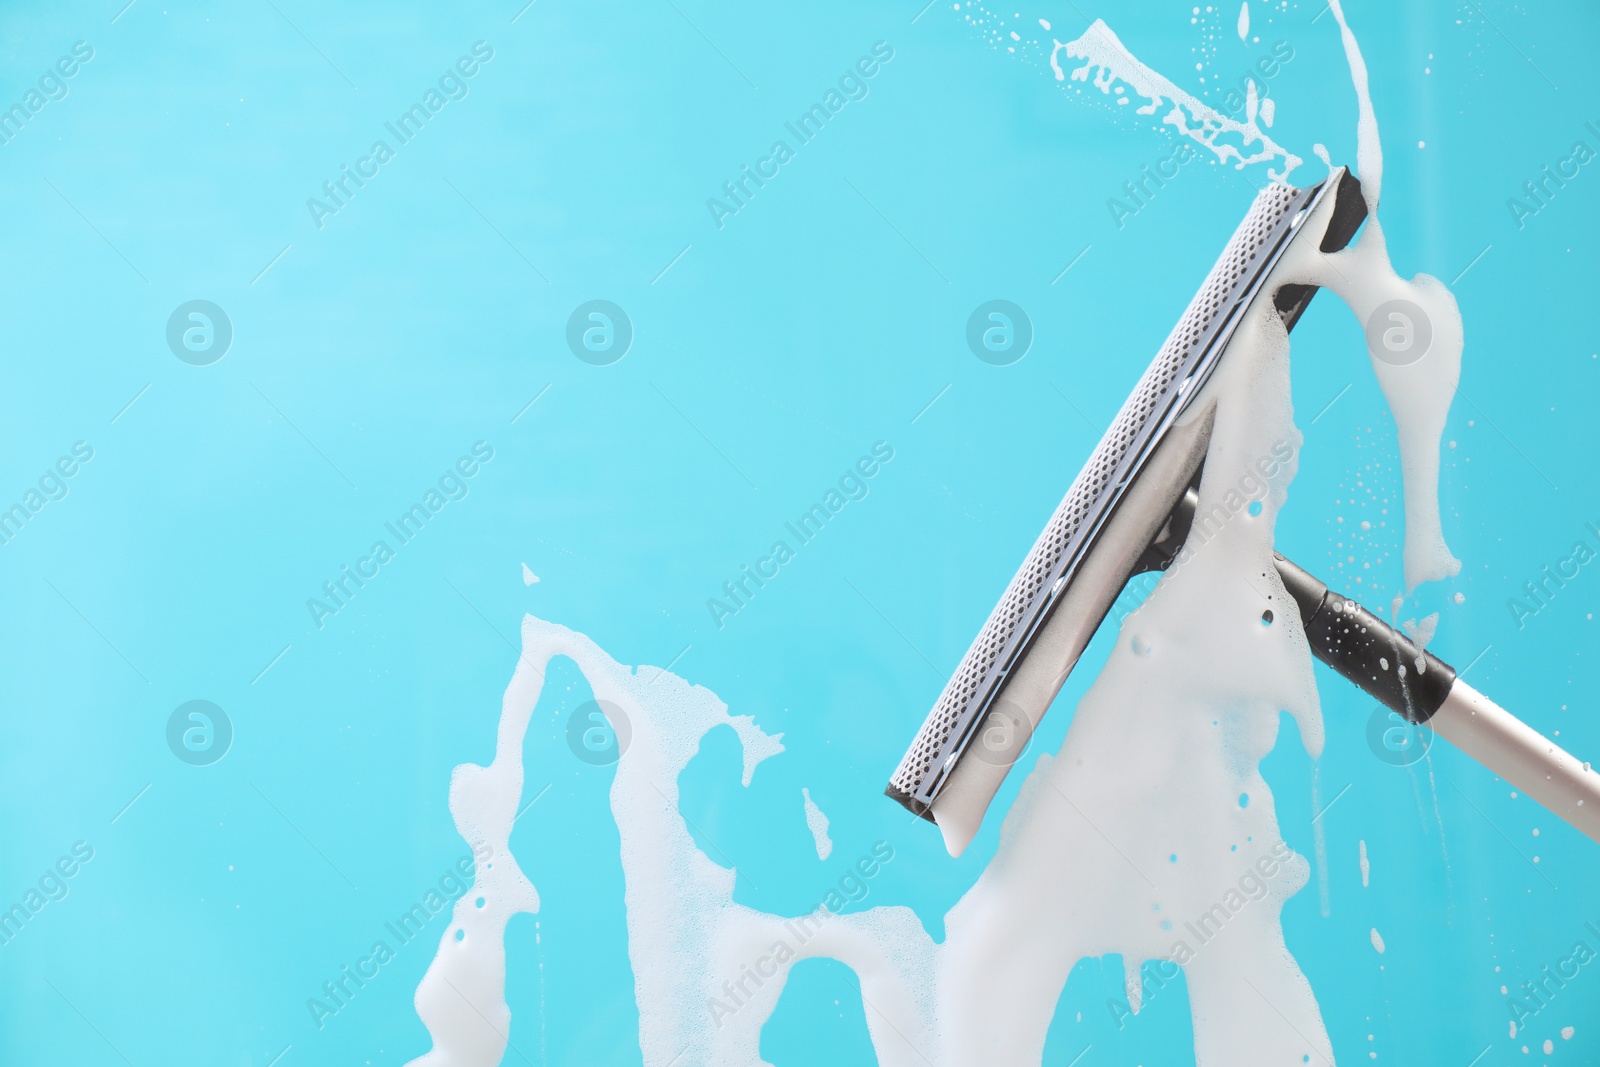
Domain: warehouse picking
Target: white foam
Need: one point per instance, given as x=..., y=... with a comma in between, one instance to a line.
x=1366, y=868
x=689, y=943
x=1196, y=622
x=1421, y=630
x=818, y=824
x=1110, y=62
x=528, y=577
x=1418, y=393
x=1377, y=940
x=1133, y=833
x=461, y=999
x=1132, y=839
x=1244, y=20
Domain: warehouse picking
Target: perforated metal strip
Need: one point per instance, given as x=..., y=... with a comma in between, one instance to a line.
x=1076, y=519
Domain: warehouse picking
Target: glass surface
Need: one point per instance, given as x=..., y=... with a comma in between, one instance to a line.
x=255, y=380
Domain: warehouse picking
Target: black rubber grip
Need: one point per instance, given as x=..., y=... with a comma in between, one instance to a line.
x=1349, y=212
x=1384, y=662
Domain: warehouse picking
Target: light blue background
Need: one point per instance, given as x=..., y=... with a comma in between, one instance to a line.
x=822, y=318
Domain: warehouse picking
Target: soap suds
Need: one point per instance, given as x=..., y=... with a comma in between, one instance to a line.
x=1366, y=868
x=1377, y=940
x=1244, y=20
x=1085, y=860
x=1421, y=631
x=1112, y=65
x=462, y=998
x=818, y=823
x=1418, y=385
x=693, y=949
x=528, y=577
x=1153, y=858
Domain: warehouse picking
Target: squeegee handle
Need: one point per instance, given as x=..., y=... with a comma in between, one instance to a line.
x=1522, y=756
x=1374, y=655
x=1424, y=689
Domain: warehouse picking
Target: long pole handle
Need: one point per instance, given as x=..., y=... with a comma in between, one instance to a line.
x=1415, y=683
x=1522, y=756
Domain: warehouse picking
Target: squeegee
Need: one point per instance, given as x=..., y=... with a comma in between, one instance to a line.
x=1129, y=511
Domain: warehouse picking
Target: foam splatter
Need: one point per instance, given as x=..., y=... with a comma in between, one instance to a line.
x=817, y=822
x=1100, y=853
x=1111, y=64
